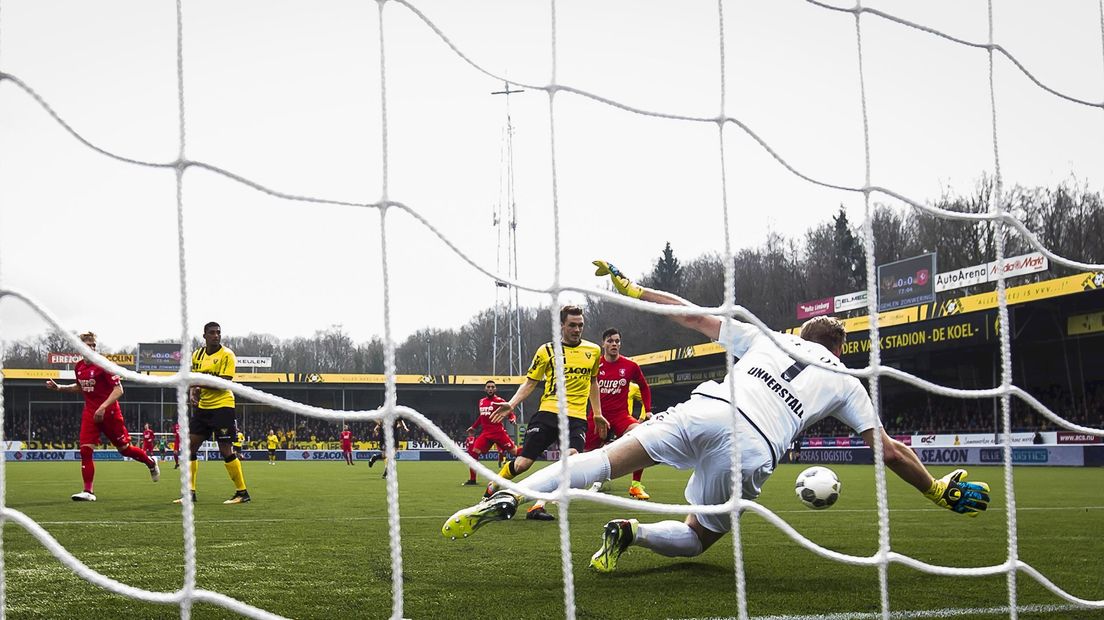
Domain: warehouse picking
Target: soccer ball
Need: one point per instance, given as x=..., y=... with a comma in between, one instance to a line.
x=817, y=487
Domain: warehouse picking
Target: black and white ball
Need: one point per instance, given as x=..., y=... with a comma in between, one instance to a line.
x=817, y=487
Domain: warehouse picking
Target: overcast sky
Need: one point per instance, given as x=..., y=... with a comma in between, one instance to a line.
x=287, y=94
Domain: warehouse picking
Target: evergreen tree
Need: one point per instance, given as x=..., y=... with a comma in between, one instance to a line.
x=667, y=273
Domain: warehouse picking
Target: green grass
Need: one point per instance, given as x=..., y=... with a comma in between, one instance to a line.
x=313, y=544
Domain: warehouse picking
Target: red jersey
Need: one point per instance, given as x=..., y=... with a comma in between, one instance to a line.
x=96, y=385
x=346, y=438
x=487, y=406
x=469, y=443
x=176, y=436
x=613, y=385
x=147, y=438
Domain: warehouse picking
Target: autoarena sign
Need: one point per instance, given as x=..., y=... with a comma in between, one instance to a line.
x=967, y=329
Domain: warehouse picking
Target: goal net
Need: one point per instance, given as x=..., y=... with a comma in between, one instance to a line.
x=723, y=125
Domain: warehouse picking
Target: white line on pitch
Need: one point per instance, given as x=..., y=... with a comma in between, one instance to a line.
x=383, y=517
x=909, y=615
x=238, y=520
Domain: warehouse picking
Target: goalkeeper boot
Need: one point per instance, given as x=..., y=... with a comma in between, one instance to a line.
x=500, y=507
x=372, y=459
x=83, y=496
x=240, y=497
x=470, y=483
x=616, y=538
x=636, y=491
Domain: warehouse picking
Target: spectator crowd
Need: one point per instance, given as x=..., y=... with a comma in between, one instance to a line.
x=57, y=425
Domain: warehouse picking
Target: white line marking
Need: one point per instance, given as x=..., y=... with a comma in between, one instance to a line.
x=908, y=615
x=383, y=517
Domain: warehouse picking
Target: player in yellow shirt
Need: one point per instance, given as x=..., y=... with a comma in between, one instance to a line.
x=273, y=443
x=239, y=441
x=636, y=404
x=580, y=366
x=214, y=411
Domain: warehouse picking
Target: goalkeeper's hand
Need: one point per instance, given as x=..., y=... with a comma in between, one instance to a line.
x=954, y=493
x=623, y=285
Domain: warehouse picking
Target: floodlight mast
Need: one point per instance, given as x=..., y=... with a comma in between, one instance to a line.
x=506, y=225
x=507, y=236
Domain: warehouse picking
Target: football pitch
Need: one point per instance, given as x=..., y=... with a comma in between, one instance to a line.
x=314, y=544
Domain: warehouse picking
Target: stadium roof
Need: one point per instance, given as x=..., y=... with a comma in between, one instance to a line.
x=949, y=307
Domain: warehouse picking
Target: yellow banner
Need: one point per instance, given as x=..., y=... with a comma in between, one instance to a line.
x=291, y=377
x=1022, y=294
x=34, y=373
x=697, y=350
x=951, y=306
x=1080, y=324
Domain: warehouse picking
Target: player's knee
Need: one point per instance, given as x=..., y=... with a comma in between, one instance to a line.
x=705, y=536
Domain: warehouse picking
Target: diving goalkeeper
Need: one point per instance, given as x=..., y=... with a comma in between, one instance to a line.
x=778, y=397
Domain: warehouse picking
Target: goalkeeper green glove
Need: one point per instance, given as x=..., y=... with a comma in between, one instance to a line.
x=623, y=285
x=954, y=493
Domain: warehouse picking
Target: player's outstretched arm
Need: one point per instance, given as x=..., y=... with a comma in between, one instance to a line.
x=708, y=325
x=951, y=491
x=71, y=388
x=508, y=407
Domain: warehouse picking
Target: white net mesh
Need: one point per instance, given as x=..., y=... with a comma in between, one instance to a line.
x=997, y=216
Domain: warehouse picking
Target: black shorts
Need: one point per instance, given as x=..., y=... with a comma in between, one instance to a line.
x=544, y=430
x=219, y=422
x=272, y=451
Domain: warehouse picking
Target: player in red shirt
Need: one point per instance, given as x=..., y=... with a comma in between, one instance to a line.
x=148, y=439
x=615, y=373
x=347, y=444
x=490, y=432
x=469, y=442
x=176, y=444
x=101, y=414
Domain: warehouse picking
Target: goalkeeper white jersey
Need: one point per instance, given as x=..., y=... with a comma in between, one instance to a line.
x=782, y=396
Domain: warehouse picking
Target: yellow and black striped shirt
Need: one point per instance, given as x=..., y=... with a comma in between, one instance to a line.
x=221, y=363
x=580, y=367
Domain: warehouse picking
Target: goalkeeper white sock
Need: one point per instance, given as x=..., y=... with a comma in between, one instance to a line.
x=673, y=539
x=586, y=469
